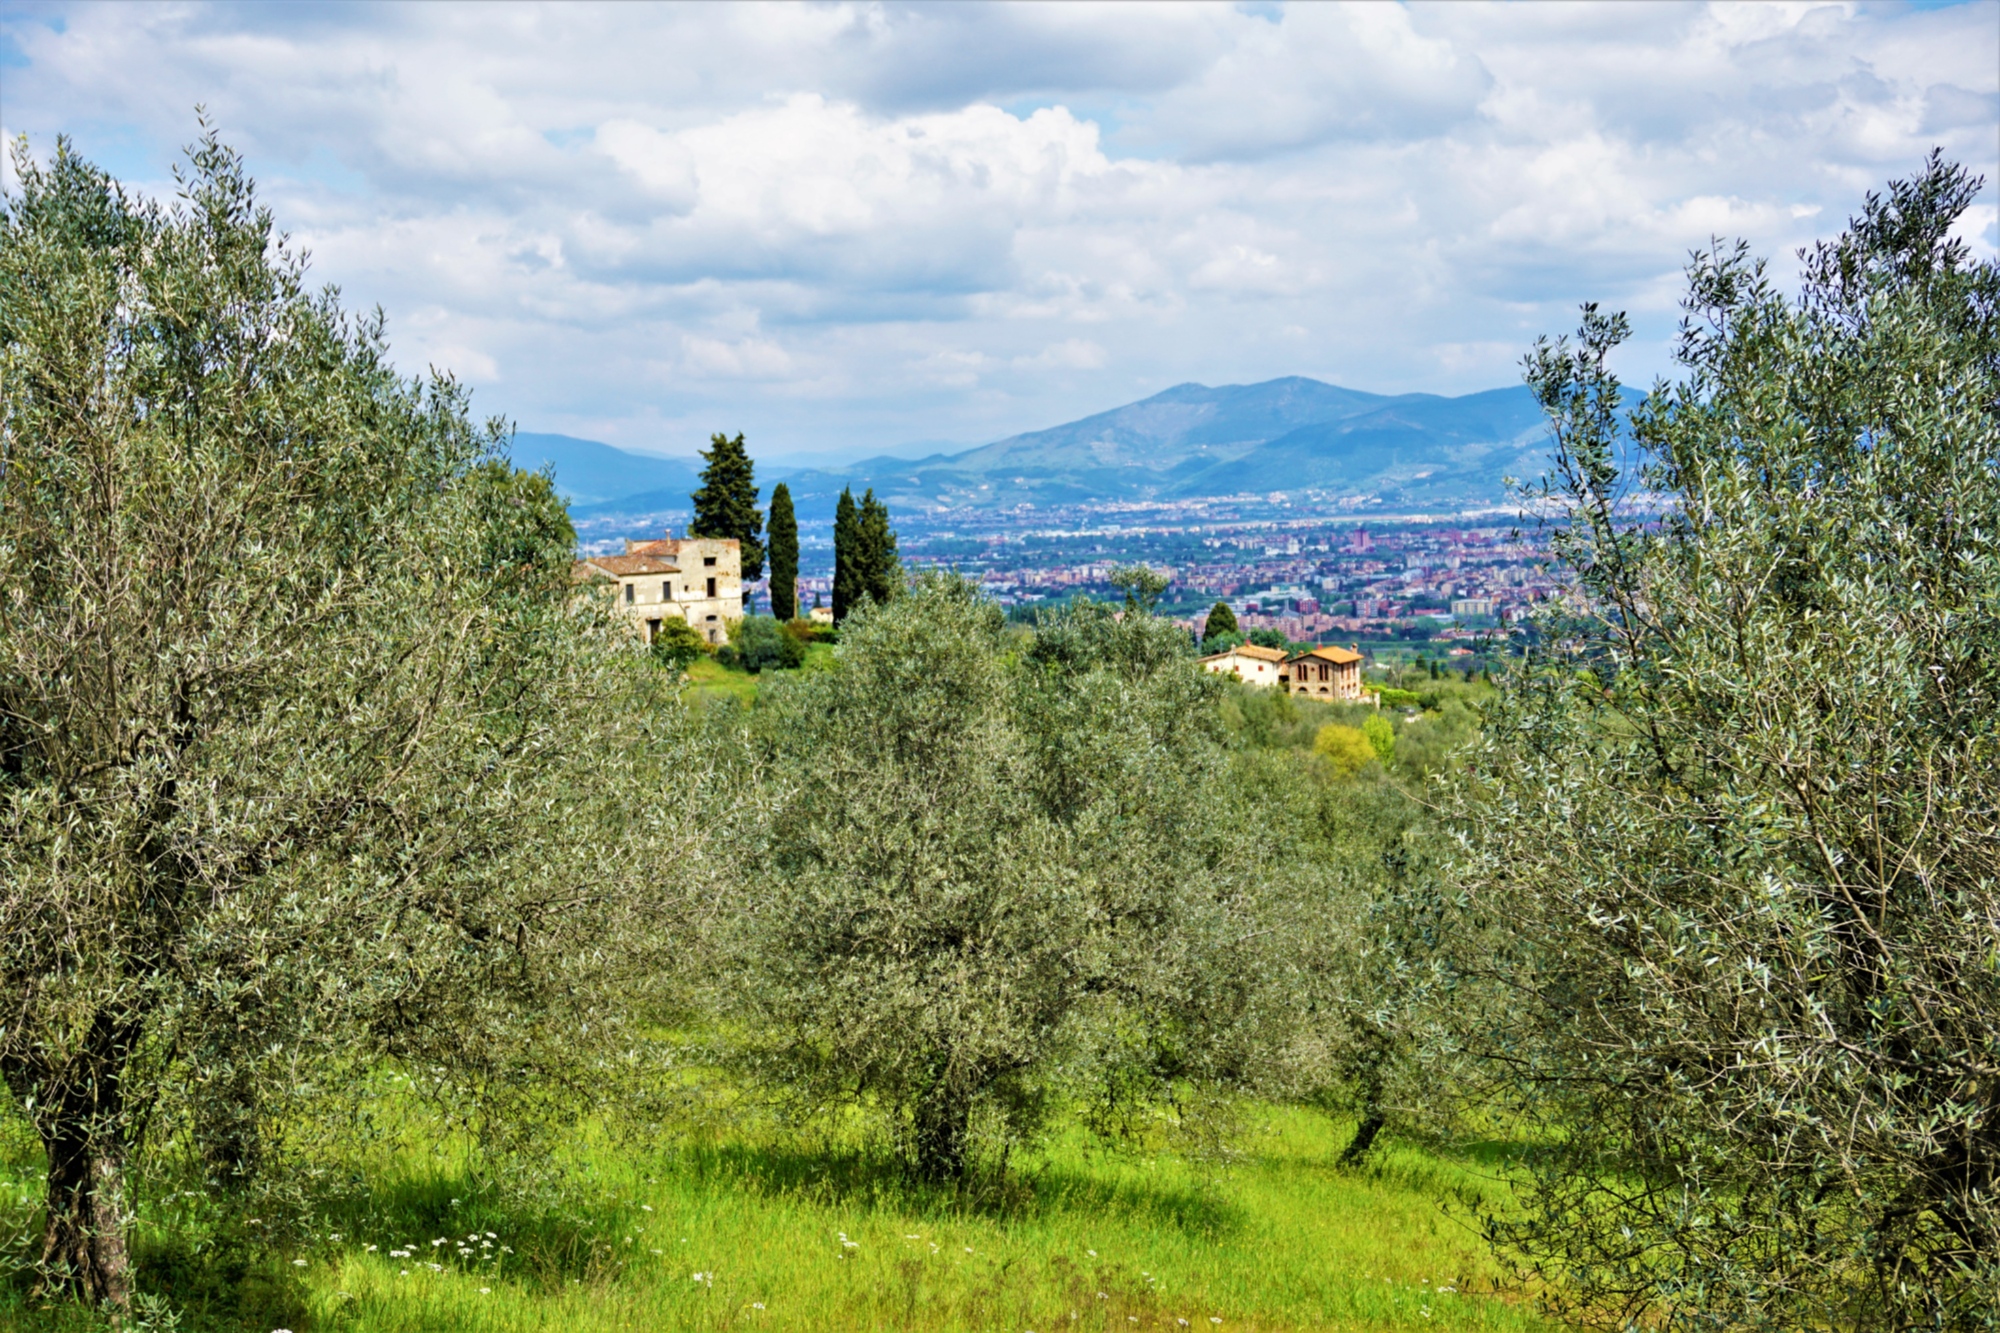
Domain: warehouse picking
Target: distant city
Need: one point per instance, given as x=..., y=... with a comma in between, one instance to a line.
x=1401, y=586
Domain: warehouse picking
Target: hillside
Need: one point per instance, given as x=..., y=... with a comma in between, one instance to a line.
x=589, y=473
x=1187, y=442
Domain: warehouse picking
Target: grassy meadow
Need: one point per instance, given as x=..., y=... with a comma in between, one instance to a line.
x=738, y=1234
x=709, y=679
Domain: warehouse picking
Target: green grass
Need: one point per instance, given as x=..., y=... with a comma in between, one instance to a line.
x=709, y=679
x=792, y=1239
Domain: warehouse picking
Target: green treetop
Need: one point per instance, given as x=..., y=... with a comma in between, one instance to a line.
x=1221, y=620
x=784, y=554
x=880, y=568
x=726, y=504
x=846, y=547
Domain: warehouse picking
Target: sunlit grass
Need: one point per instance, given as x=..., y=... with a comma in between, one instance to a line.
x=728, y=1235
x=710, y=679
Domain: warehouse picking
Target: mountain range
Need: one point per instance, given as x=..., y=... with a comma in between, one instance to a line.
x=1188, y=442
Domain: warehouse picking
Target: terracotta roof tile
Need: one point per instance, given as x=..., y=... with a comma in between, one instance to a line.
x=624, y=566
x=1329, y=653
x=1255, y=652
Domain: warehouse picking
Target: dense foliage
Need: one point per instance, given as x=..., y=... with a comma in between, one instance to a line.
x=846, y=546
x=866, y=565
x=784, y=529
x=1050, y=919
x=725, y=505
x=307, y=756
x=760, y=643
x=1733, y=871
x=676, y=644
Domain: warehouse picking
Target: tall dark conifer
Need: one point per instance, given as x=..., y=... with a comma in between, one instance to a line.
x=881, y=568
x=726, y=504
x=784, y=528
x=846, y=554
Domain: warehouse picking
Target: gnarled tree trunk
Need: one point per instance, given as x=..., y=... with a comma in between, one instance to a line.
x=78, y=1109
x=83, y=1238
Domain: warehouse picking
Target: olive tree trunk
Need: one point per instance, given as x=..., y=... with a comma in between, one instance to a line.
x=83, y=1237
x=943, y=1130
x=80, y=1114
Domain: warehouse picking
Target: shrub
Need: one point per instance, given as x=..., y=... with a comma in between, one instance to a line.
x=759, y=642
x=1381, y=737
x=677, y=643
x=1346, y=748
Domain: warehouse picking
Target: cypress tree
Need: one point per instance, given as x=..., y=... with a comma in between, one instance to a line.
x=881, y=567
x=846, y=550
x=726, y=504
x=1221, y=620
x=784, y=528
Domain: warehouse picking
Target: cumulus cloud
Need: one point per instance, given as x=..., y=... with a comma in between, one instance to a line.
x=845, y=225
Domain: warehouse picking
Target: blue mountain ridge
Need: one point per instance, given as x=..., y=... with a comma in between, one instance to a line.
x=588, y=473
x=1187, y=442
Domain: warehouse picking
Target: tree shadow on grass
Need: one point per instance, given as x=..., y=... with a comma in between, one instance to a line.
x=879, y=1181
x=460, y=1222
x=578, y=1236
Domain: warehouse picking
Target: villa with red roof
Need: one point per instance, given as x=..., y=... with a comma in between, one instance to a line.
x=698, y=579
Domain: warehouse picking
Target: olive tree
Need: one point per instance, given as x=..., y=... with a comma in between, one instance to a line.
x=991, y=876
x=1732, y=865
x=307, y=752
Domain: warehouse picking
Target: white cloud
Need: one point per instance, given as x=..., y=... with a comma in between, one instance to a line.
x=747, y=358
x=852, y=224
x=1069, y=354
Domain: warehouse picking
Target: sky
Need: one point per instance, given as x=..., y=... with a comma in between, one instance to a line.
x=843, y=228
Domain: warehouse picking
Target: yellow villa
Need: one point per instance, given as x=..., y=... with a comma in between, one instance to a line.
x=1249, y=663
x=698, y=579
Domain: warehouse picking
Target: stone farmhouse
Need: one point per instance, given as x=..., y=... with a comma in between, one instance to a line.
x=1325, y=672
x=1249, y=663
x=699, y=579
